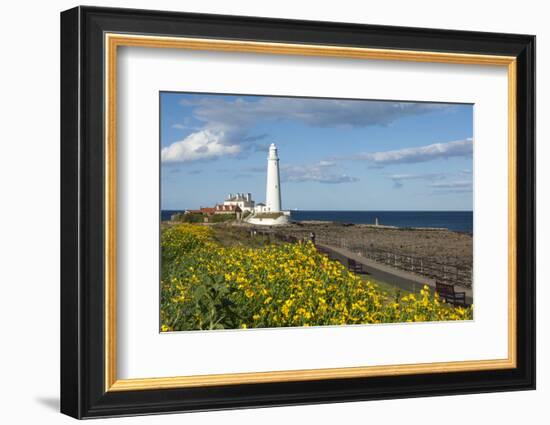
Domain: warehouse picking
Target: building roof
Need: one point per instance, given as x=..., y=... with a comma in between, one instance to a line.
x=202, y=210
x=227, y=208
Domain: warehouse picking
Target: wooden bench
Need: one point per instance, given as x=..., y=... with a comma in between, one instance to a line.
x=320, y=249
x=354, y=266
x=323, y=251
x=447, y=292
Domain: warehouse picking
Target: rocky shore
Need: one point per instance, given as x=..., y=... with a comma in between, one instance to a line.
x=439, y=245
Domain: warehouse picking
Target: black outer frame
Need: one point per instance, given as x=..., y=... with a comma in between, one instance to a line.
x=82, y=207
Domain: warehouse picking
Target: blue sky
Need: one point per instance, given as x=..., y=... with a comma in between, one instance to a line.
x=334, y=154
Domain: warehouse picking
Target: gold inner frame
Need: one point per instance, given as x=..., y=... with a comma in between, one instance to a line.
x=113, y=41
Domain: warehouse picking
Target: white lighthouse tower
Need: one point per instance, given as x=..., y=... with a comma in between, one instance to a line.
x=273, y=188
x=270, y=214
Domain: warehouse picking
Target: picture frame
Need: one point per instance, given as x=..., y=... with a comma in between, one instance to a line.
x=90, y=40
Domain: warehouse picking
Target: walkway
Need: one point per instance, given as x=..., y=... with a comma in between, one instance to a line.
x=400, y=278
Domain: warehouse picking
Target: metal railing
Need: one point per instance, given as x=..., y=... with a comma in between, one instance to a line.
x=454, y=273
x=447, y=272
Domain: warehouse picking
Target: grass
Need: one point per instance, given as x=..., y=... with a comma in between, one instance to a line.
x=390, y=290
x=230, y=236
x=268, y=215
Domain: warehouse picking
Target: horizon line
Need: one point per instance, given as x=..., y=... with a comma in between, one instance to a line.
x=332, y=210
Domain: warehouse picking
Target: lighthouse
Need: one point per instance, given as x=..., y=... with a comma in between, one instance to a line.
x=270, y=213
x=273, y=188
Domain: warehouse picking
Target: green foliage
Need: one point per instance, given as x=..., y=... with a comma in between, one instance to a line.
x=205, y=285
x=192, y=218
x=177, y=217
x=222, y=218
x=268, y=215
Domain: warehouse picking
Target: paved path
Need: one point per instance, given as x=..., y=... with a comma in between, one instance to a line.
x=400, y=278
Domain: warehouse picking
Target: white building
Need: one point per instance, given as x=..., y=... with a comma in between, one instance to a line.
x=242, y=200
x=260, y=208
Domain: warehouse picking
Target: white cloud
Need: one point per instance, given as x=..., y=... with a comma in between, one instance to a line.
x=234, y=118
x=452, y=185
x=459, y=148
x=427, y=176
x=204, y=144
x=398, y=179
x=315, y=112
x=321, y=172
x=185, y=124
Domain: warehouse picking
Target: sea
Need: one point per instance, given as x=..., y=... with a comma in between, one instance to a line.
x=459, y=221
